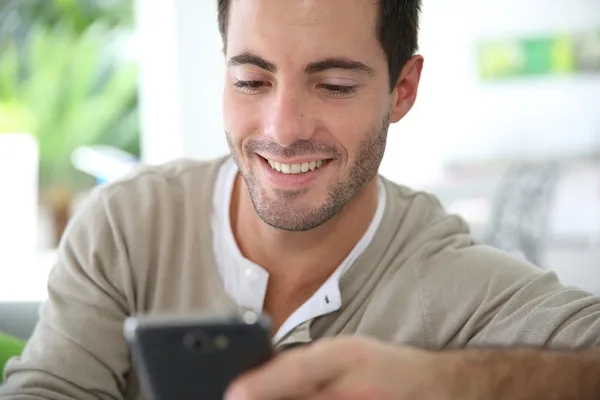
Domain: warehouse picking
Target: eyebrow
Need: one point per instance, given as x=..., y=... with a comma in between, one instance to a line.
x=252, y=59
x=313, y=68
x=339, y=63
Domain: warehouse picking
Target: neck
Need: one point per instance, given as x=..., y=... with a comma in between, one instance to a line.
x=300, y=260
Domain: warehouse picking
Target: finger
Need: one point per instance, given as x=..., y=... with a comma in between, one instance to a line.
x=294, y=374
x=352, y=386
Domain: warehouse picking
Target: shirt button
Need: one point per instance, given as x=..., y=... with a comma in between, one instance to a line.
x=251, y=274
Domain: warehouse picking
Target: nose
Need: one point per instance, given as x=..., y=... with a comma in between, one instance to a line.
x=287, y=118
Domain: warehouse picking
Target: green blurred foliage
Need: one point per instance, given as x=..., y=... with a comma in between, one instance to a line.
x=66, y=78
x=16, y=16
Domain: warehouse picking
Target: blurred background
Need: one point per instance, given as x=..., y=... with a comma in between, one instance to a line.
x=506, y=130
x=68, y=120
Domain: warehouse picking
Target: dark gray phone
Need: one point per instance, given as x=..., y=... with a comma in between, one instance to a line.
x=196, y=356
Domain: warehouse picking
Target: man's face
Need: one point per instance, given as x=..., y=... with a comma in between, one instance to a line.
x=306, y=105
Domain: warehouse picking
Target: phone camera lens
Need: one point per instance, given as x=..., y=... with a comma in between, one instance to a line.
x=194, y=342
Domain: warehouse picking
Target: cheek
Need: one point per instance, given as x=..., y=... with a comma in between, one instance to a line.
x=239, y=117
x=353, y=127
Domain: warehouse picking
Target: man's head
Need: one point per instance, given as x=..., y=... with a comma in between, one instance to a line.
x=397, y=30
x=311, y=89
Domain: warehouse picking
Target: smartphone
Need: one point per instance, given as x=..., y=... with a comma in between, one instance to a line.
x=196, y=356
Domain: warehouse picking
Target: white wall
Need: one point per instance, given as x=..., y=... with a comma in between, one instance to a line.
x=548, y=115
x=18, y=214
x=459, y=118
x=18, y=198
x=418, y=145
x=181, y=79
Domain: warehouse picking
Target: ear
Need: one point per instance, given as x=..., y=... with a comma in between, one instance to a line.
x=404, y=94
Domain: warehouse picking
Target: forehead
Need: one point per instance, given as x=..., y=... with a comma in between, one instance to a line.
x=298, y=29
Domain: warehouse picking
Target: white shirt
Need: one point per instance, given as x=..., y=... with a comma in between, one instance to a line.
x=246, y=282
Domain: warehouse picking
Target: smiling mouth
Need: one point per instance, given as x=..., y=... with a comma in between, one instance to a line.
x=297, y=169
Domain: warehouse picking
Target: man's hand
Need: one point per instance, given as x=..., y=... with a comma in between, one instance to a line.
x=356, y=369
x=346, y=368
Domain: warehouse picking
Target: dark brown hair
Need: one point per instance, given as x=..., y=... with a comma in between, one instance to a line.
x=398, y=31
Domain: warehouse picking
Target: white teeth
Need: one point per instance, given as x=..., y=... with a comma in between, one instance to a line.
x=296, y=168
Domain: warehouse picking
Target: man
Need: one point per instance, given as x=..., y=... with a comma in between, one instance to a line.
x=298, y=223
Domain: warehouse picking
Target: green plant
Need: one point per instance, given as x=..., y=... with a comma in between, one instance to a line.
x=16, y=16
x=9, y=347
x=68, y=89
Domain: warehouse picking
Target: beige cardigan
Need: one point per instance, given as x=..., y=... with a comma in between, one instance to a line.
x=144, y=245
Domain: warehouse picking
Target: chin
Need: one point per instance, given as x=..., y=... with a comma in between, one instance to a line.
x=294, y=211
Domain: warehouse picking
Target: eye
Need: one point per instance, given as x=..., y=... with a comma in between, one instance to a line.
x=339, y=90
x=250, y=87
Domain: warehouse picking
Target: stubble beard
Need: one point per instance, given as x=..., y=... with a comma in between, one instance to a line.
x=283, y=214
